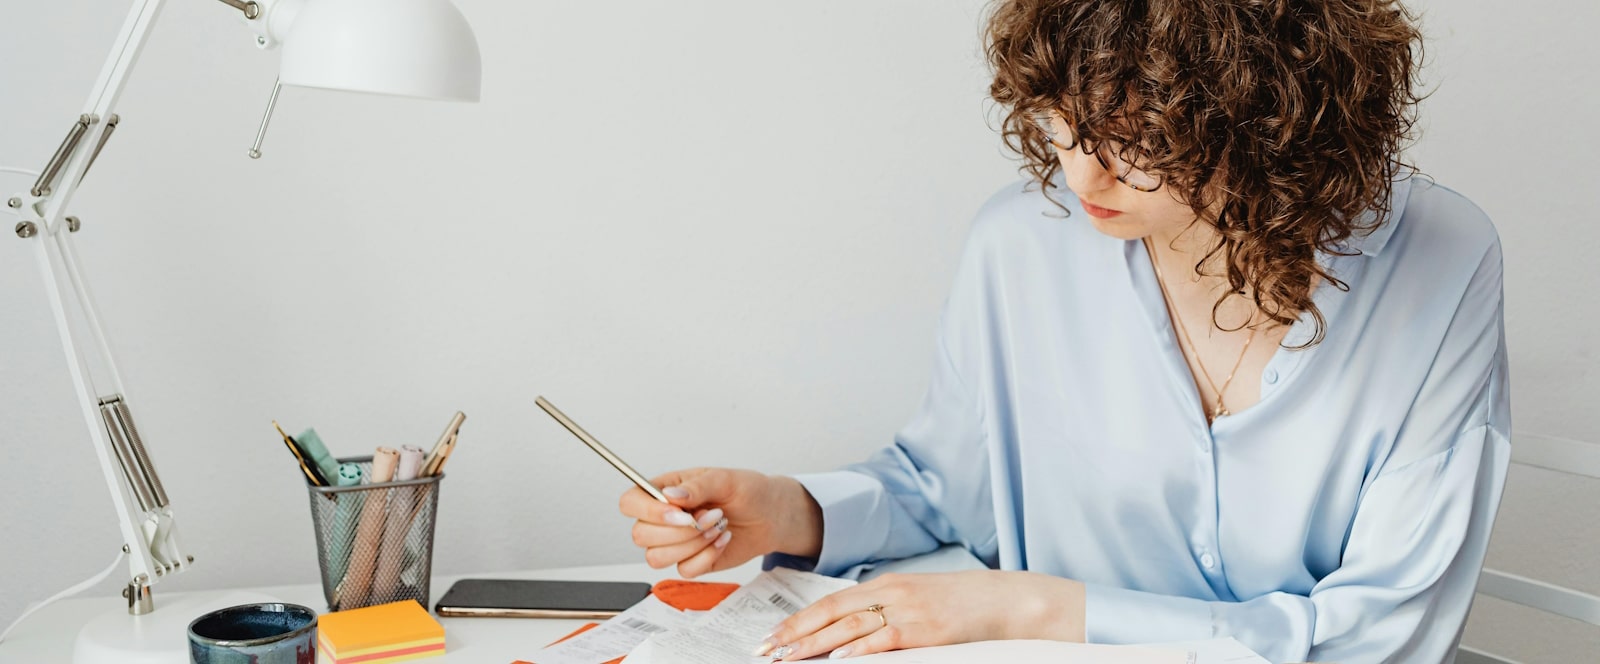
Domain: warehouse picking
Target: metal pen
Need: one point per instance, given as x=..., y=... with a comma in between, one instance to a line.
x=611, y=458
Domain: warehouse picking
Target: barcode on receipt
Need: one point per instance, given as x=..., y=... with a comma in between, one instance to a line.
x=646, y=627
x=783, y=603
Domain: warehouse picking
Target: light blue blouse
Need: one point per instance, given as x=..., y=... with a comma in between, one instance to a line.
x=1342, y=518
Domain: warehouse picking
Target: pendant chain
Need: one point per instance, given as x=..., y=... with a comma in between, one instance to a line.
x=1221, y=409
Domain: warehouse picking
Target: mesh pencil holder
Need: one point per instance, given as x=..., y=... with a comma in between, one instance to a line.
x=375, y=541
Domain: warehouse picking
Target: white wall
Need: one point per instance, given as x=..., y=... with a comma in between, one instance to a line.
x=1511, y=126
x=714, y=232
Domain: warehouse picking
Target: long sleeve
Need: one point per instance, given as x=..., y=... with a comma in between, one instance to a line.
x=1414, y=549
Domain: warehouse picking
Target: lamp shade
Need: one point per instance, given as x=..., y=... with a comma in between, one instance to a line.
x=412, y=48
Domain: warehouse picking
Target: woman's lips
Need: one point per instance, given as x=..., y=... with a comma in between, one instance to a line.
x=1095, y=210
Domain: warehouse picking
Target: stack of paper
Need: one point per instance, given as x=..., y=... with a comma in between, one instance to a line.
x=672, y=604
x=660, y=634
x=393, y=632
x=728, y=633
x=613, y=638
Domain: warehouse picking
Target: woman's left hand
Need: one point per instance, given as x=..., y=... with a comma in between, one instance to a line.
x=917, y=610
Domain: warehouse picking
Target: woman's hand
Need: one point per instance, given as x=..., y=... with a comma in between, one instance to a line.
x=917, y=610
x=720, y=518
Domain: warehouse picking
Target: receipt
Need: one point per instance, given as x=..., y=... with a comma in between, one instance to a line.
x=728, y=633
x=615, y=637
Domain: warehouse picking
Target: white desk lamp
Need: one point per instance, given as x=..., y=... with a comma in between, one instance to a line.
x=412, y=48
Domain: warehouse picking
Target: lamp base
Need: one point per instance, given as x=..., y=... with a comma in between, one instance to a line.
x=161, y=636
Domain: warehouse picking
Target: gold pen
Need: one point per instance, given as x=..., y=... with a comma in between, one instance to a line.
x=441, y=450
x=313, y=475
x=613, y=459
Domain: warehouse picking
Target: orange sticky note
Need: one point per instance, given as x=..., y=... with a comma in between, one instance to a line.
x=391, y=632
x=692, y=595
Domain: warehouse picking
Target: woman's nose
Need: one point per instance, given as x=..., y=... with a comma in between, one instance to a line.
x=1085, y=173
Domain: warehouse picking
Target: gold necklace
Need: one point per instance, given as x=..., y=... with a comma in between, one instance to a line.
x=1221, y=409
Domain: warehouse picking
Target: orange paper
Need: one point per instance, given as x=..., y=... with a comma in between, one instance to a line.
x=692, y=595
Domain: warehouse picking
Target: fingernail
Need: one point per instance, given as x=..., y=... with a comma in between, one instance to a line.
x=675, y=492
x=679, y=518
x=782, y=652
x=709, y=519
x=840, y=653
x=762, y=649
x=717, y=529
x=723, y=541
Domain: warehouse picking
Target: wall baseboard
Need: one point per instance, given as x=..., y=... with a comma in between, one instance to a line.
x=1558, y=454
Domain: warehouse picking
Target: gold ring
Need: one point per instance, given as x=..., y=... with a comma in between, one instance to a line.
x=878, y=609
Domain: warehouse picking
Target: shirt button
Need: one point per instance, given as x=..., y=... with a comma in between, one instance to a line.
x=1270, y=375
x=1208, y=561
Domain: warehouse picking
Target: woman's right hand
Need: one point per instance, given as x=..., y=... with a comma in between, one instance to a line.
x=763, y=514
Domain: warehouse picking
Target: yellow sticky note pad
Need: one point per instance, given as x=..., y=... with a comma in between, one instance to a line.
x=394, y=632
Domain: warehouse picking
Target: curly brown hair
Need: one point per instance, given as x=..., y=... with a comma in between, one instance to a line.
x=1279, y=122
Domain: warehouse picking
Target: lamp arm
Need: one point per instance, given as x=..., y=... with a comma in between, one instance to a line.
x=72, y=161
x=268, y=19
x=144, y=514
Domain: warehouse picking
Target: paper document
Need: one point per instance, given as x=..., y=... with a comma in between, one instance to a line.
x=728, y=633
x=615, y=637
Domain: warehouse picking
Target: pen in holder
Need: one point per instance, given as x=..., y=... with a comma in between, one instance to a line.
x=375, y=541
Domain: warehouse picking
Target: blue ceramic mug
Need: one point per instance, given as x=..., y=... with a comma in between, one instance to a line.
x=255, y=634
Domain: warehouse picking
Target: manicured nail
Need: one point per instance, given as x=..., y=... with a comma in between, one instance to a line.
x=782, y=652
x=709, y=519
x=675, y=492
x=840, y=653
x=723, y=541
x=717, y=529
x=763, y=648
x=679, y=518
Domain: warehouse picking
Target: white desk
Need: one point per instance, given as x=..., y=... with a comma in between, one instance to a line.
x=46, y=637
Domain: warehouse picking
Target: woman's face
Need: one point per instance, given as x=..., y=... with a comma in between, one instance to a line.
x=1115, y=208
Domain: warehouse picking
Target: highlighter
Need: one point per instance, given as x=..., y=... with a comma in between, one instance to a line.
x=344, y=520
x=311, y=445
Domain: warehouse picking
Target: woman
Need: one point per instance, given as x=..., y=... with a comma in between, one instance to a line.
x=1221, y=367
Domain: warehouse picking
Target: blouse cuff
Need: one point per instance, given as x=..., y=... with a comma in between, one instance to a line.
x=1118, y=615
x=855, y=520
